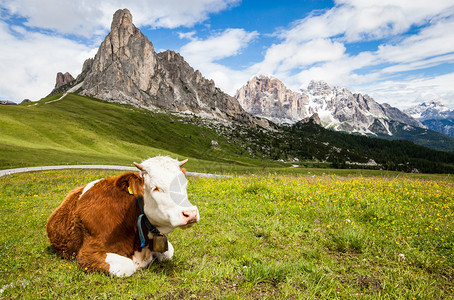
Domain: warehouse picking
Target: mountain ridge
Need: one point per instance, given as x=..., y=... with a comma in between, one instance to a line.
x=338, y=108
x=435, y=115
x=126, y=69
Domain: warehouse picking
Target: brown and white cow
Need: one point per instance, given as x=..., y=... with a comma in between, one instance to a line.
x=100, y=223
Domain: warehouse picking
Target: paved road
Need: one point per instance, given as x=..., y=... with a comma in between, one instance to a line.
x=97, y=167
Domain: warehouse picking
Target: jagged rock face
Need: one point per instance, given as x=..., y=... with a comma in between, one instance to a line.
x=267, y=96
x=123, y=65
x=63, y=79
x=337, y=108
x=127, y=69
x=435, y=116
x=180, y=88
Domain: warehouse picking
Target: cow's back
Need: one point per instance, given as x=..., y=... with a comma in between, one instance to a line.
x=63, y=228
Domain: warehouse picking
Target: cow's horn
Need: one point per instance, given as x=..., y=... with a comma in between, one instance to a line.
x=183, y=162
x=140, y=167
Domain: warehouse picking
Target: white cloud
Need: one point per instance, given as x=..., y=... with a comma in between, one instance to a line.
x=226, y=44
x=174, y=13
x=412, y=91
x=30, y=63
x=434, y=40
x=64, y=17
x=350, y=24
x=187, y=35
x=89, y=18
x=359, y=20
x=281, y=58
x=203, y=54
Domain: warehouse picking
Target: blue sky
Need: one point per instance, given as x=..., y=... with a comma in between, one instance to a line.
x=397, y=51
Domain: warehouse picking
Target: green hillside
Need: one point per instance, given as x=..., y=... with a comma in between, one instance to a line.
x=83, y=130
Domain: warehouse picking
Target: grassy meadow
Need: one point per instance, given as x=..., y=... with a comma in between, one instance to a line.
x=83, y=130
x=277, y=236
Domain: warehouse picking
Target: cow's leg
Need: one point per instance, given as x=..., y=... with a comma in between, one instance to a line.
x=92, y=257
x=166, y=255
x=120, y=266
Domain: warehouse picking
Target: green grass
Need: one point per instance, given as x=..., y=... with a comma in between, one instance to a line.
x=82, y=130
x=260, y=236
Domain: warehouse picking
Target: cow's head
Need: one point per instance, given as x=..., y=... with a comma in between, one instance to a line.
x=166, y=201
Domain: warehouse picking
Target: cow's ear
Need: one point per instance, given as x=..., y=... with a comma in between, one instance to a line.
x=130, y=183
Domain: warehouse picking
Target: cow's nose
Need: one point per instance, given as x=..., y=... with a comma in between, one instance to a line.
x=190, y=216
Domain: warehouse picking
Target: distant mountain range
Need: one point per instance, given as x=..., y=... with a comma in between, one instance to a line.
x=434, y=115
x=335, y=108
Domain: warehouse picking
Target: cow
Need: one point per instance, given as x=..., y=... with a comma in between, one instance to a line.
x=118, y=225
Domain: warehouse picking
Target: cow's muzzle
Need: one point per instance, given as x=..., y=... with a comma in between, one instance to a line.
x=190, y=216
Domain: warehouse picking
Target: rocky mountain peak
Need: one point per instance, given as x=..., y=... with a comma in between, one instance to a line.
x=335, y=108
x=427, y=109
x=315, y=119
x=435, y=116
x=122, y=18
x=63, y=79
x=122, y=29
x=433, y=104
x=267, y=96
x=267, y=83
x=318, y=87
x=126, y=69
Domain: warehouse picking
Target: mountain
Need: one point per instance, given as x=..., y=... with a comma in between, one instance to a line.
x=435, y=116
x=63, y=79
x=336, y=108
x=126, y=69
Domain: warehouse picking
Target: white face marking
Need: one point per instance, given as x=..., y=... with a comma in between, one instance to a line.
x=89, y=186
x=165, y=205
x=120, y=266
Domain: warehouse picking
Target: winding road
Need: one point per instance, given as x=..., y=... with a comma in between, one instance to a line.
x=96, y=167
